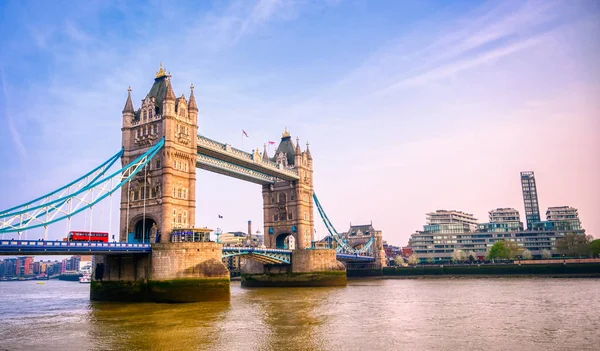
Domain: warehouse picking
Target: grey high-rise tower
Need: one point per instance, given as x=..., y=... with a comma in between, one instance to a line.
x=530, y=198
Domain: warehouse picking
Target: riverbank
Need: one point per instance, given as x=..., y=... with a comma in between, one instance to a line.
x=577, y=270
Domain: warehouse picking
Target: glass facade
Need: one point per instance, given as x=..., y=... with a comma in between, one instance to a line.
x=530, y=198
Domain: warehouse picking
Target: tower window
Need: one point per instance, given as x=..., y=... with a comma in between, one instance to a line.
x=275, y=218
x=290, y=216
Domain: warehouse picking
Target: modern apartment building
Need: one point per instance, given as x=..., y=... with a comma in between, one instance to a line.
x=448, y=222
x=503, y=220
x=564, y=214
x=503, y=225
x=530, y=198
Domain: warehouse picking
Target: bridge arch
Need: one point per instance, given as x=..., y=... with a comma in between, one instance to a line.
x=140, y=228
x=285, y=241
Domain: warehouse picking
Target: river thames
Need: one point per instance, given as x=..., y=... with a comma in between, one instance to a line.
x=368, y=314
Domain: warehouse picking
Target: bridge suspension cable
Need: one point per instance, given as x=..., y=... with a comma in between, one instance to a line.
x=74, y=197
x=342, y=246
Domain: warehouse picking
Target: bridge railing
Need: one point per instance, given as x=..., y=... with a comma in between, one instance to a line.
x=71, y=244
x=253, y=249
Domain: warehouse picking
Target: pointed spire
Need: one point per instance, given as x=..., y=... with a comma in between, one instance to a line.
x=128, y=104
x=169, y=94
x=265, y=156
x=308, y=152
x=298, y=149
x=192, y=103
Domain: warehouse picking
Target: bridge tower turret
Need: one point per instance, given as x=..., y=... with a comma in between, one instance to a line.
x=288, y=205
x=163, y=195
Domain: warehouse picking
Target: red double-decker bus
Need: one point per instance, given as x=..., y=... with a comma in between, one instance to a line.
x=87, y=236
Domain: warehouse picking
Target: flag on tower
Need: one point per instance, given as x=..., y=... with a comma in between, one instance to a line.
x=271, y=143
x=245, y=134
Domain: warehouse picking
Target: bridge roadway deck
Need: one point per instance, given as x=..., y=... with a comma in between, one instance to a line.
x=36, y=247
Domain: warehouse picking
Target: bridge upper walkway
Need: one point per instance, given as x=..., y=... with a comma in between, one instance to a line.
x=225, y=159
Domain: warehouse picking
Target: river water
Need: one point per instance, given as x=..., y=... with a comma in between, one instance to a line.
x=369, y=314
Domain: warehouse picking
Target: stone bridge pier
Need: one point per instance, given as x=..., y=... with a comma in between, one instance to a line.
x=173, y=272
x=309, y=268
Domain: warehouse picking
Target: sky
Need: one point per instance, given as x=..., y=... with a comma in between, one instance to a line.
x=409, y=106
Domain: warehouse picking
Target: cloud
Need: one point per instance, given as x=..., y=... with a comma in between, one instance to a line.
x=75, y=33
x=14, y=132
x=262, y=12
x=456, y=67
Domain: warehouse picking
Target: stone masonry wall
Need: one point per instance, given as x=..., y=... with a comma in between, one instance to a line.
x=126, y=268
x=187, y=260
x=315, y=261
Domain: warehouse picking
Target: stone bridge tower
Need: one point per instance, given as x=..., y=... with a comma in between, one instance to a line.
x=288, y=205
x=161, y=197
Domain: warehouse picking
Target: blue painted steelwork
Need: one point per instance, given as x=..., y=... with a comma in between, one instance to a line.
x=354, y=258
x=35, y=247
x=272, y=256
x=343, y=247
x=100, y=170
x=20, y=218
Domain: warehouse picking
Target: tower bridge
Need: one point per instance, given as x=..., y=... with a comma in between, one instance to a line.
x=161, y=151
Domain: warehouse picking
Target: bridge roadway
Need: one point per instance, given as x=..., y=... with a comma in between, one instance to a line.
x=36, y=247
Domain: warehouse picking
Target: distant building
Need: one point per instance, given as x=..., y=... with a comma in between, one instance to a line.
x=502, y=220
x=447, y=222
x=25, y=265
x=8, y=267
x=233, y=239
x=439, y=243
x=70, y=264
x=566, y=215
x=530, y=199
x=85, y=264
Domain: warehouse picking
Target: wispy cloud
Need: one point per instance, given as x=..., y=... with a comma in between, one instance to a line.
x=448, y=70
x=14, y=132
x=262, y=12
x=74, y=32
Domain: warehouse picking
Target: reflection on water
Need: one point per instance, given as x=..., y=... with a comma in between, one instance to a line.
x=153, y=326
x=441, y=314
